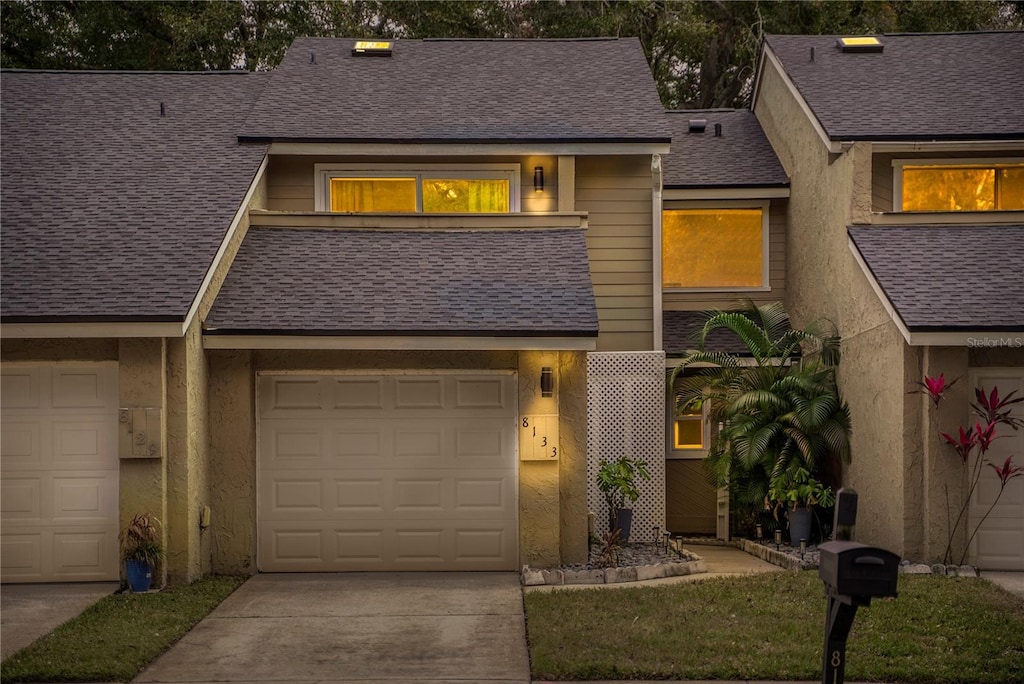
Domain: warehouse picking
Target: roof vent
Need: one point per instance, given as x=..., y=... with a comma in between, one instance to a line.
x=375, y=48
x=859, y=44
x=698, y=125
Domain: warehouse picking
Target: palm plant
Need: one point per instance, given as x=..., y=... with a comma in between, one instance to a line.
x=777, y=412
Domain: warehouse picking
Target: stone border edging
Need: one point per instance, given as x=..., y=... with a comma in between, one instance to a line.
x=776, y=557
x=636, y=573
x=939, y=569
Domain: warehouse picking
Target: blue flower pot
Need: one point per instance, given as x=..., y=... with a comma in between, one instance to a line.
x=140, y=575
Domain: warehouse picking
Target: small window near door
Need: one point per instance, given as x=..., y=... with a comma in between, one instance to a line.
x=688, y=430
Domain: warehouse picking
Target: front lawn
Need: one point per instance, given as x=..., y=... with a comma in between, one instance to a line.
x=118, y=636
x=770, y=627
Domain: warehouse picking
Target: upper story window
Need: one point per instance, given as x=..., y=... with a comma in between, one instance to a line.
x=968, y=185
x=715, y=248
x=429, y=189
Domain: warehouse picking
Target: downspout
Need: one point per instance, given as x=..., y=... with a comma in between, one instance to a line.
x=656, y=181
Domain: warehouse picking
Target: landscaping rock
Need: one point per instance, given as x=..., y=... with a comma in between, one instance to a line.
x=916, y=569
x=966, y=571
x=583, y=576
x=553, y=577
x=938, y=569
x=617, y=575
x=648, y=572
x=676, y=569
x=532, y=578
x=697, y=567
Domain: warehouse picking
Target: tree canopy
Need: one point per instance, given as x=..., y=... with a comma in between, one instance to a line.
x=702, y=52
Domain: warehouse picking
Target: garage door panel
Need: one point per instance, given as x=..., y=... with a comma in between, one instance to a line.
x=60, y=472
x=21, y=446
x=416, y=472
x=21, y=498
x=999, y=543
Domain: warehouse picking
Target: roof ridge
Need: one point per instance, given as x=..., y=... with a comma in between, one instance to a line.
x=119, y=72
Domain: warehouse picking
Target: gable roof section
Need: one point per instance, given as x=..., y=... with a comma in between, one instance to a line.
x=682, y=331
x=947, y=278
x=940, y=86
x=487, y=91
x=110, y=211
x=299, y=281
x=741, y=157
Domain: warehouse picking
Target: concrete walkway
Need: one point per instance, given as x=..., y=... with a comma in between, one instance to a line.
x=365, y=627
x=29, y=611
x=1012, y=582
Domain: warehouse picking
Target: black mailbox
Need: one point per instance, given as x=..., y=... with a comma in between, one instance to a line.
x=853, y=574
x=858, y=571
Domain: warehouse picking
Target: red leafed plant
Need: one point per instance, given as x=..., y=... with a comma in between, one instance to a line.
x=994, y=411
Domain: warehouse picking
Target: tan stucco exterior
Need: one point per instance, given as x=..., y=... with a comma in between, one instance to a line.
x=552, y=495
x=905, y=475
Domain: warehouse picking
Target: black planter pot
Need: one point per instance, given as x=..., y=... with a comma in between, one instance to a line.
x=624, y=522
x=799, y=525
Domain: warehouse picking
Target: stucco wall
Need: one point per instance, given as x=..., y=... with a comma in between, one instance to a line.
x=552, y=495
x=232, y=488
x=830, y=191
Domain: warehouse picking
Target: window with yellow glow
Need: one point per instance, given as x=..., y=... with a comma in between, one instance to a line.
x=373, y=194
x=430, y=188
x=713, y=248
x=968, y=187
x=465, y=196
x=688, y=430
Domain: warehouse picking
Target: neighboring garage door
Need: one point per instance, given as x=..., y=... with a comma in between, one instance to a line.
x=999, y=544
x=387, y=472
x=59, y=473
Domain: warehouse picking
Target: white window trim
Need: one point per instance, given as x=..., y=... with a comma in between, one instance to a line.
x=690, y=454
x=980, y=162
x=765, y=208
x=324, y=172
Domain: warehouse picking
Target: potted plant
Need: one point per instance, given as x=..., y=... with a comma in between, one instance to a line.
x=798, y=491
x=141, y=549
x=617, y=481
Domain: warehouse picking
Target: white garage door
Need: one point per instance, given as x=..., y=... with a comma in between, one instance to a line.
x=999, y=544
x=387, y=472
x=59, y=473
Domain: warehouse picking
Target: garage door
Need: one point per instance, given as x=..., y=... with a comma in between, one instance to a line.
x=387, y=472
x=59, y=473
x=999, y=544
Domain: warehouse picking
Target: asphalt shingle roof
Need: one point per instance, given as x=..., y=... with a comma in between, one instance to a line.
x=368, y=282
x=111, y=211
x=740, y=157
x=948, y=278
x=461, y=91
x=922, y=86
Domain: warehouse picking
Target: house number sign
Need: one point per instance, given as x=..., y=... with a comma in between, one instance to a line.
x=538, y=438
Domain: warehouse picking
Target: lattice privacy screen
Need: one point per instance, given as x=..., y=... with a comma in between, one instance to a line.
x=626, y=417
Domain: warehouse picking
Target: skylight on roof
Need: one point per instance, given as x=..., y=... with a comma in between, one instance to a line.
x=381, y=48
x=860, y=44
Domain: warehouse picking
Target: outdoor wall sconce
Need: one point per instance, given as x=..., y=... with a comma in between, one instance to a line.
x=547, y=382
x=538, y=178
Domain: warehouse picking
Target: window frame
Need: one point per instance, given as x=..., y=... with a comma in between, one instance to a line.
x=964, y=162
x=324, y=172
x=763, y=205
x=685, y=453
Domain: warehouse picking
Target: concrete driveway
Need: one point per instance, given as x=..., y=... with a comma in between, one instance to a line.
x=365, y=627
x=28, y=611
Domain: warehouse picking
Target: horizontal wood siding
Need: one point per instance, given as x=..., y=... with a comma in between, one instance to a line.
x=616, y=193
x=290, y=179
x=691, y=504
x=689, y=301
x=882, y=171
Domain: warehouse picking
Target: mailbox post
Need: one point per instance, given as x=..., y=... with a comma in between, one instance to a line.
x=853, y=574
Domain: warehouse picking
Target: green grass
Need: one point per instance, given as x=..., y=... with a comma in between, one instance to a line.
x=771, y=627
x=118, y=636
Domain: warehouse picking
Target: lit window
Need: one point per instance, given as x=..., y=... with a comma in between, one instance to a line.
x=714, y=248
x=961, y=187
x=432, y=189
x=688, y=430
